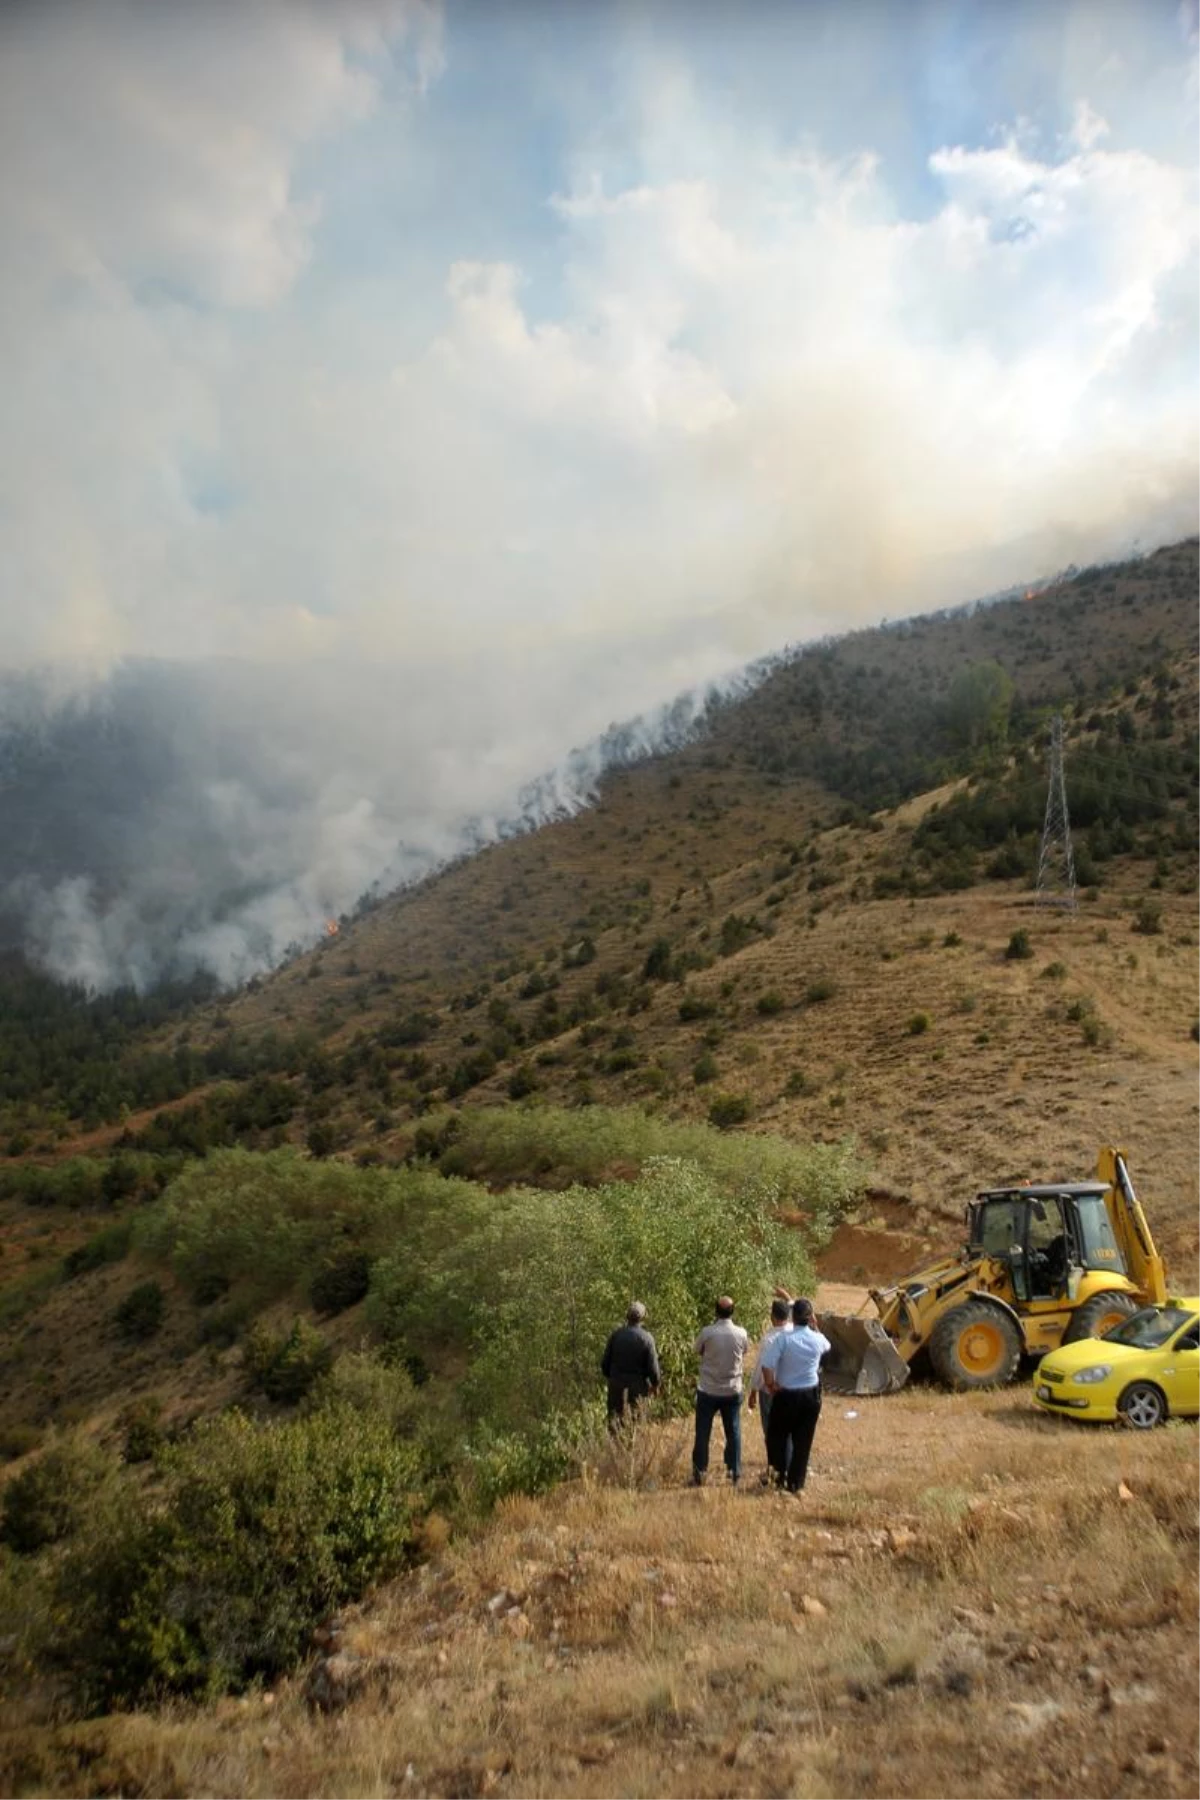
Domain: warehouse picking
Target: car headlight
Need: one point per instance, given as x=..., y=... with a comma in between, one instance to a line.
x=1097, y=1372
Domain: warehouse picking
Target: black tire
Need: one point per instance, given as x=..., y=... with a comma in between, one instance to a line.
x=1097, y=1314
x=975, y=1346
x=1143, y=1406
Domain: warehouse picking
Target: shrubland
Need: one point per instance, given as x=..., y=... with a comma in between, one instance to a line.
x=197, y=1558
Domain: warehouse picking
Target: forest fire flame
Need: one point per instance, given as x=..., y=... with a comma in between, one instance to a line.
x=331, y=928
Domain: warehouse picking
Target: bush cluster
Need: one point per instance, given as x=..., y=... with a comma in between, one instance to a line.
x=199, y=1561
x=259, y=1531
x=285, y=1366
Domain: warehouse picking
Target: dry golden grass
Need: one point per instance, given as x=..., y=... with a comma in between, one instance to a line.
x=962, y=1602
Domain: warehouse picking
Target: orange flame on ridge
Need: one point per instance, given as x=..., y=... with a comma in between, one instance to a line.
x=331, y=928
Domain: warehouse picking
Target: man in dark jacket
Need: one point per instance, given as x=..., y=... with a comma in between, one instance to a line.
x=630, y=1366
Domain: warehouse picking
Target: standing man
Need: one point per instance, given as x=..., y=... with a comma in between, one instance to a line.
x=721, y=1348
x=630, y=1366
x=781, y=1320
x=791, y=1367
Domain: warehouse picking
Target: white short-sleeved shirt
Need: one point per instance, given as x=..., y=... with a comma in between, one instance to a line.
x=768, y=1337
x=794, y=1358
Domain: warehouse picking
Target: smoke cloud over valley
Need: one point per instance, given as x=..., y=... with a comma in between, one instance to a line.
x=211, y=816
x=396, y=395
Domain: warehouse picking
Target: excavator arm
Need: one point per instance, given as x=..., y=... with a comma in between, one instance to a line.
x=1130, y=1228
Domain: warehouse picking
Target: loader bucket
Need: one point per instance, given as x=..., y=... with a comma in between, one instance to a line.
x=864, y=1360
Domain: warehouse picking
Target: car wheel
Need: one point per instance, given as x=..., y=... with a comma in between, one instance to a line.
x=1142, y=1406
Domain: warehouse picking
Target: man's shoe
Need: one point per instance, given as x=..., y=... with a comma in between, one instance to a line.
x=697, y=1478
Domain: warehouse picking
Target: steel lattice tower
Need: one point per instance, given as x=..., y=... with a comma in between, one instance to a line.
x=1056, y=860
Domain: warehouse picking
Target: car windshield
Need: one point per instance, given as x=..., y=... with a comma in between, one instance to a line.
x=1150, y=1328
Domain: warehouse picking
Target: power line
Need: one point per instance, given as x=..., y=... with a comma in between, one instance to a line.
x=1056, y=860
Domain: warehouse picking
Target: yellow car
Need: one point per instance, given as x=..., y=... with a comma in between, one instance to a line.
x=1145, y=1370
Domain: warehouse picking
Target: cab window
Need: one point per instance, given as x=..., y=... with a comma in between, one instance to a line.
x=1099, y=1248
x=997, y=1226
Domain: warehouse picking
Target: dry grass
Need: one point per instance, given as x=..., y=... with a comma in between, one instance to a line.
x=962, y=1602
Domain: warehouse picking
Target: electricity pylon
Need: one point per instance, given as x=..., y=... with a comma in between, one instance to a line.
x=1056, y=860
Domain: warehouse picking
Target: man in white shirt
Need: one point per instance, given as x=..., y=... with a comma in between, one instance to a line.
x=791, y=1367
x=759, y=1399
x=721, y=1348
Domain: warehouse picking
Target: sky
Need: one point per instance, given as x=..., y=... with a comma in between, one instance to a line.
x=479, y=374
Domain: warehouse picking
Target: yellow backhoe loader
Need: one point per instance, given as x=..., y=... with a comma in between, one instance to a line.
x=1042, y=1265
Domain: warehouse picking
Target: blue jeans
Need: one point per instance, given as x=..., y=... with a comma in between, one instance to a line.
x=730, y=1408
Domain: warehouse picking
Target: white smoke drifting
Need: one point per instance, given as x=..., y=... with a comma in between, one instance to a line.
x=167, y=820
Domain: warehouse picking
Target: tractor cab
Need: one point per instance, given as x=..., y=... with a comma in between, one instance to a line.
x=1047, y=1236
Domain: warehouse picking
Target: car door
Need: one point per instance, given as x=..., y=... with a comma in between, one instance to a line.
x=1180, y=1373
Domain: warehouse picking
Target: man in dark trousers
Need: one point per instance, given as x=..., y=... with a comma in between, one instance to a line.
x=791, y=1366
x=721, y=1348
x=630, y=1366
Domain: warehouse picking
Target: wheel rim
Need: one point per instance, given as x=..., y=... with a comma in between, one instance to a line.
x=981, y=1348
x=1116, y=1315
x=1143, y=1408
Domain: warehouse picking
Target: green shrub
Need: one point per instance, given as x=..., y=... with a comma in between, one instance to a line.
x=919, y=1023
x=141, y=1421
x=1019, y=948
x=728, y=1110
x=50, y=1498
x=285, y=1367
x=102, y=1248
x=693, y=1007
x=522, y=1082
x=341, y=1282
x=360, y=1379
x=657, y=966
x=498, y=1465
x=501, y=1145
x=818, y=991
x=1148, y=919
x=223, y=1326
x=18, y=1440
x=322, y=1139
x=558, y=1270
x=270, y=1222
x=259, y=1532
x=1054, y=971
x=737, y=931
x=140, y=1314
x=705, y=1068
x=951, y=941
x=770, y=1002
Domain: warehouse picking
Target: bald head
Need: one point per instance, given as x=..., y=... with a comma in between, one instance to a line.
x=724, y=1307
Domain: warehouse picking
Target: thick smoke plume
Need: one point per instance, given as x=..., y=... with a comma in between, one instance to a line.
x=169, y=818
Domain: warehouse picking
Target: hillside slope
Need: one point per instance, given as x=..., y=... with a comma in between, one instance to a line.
x=816, y=922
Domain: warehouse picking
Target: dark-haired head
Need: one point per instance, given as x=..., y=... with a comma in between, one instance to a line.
x=802, y=1312
x=781, y=1312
